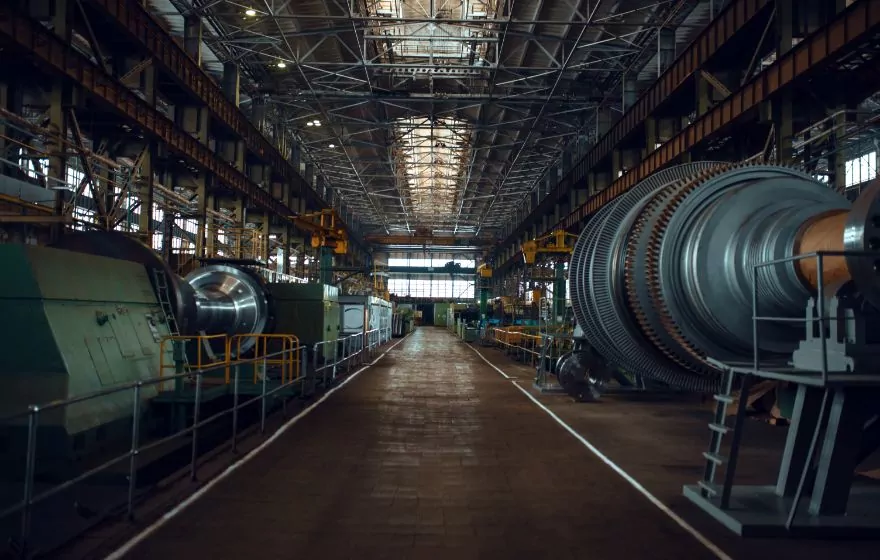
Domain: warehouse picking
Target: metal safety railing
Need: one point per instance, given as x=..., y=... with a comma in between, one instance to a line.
x=204, y=355
x=289, y=361
x=139, y=390
x=524, y=342
x=346, y=351
x=821, y=319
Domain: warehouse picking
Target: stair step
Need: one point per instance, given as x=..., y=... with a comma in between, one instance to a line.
x=727, y=399
x=713, y=457
x=720, y=428
x=708, y=487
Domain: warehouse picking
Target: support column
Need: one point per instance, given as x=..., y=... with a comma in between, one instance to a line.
x=258, y=112
x=782, y=106
x=231, y=82
x=12, y=100
x=145, y=194
x=784, y=26
x=630, y=92
x=650, y=136
x=783, y=123
x=603, y=122
x=204, y=233
x=837, y=157
x=665, y=49
x=192, y=37
x=566, y=162
x=704, y=95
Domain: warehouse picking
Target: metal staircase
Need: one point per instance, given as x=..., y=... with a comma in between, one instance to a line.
x=718, y=428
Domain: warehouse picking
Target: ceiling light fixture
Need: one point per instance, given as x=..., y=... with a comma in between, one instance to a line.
x=331, y=146
x=250, y=12
x=282, y=64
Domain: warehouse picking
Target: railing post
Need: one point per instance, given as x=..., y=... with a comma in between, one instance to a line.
x=30, y=467
x=197, y=406
x=235, y=378
x=315, y=362
x=263, y=399
x=335, y=357
x=303, y=366
x=135, y=445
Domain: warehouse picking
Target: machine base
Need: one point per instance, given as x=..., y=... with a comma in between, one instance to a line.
x=756, y=511
x=549, y=388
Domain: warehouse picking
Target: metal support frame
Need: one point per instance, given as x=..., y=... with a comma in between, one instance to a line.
x=817, y=491
x=851, y=30
x=720, y=30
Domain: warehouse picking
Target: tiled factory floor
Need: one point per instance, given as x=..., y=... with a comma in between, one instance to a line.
x=432, y=454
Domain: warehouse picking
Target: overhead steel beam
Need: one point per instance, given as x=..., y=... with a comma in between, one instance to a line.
x=51, y=52
x=134, y=19
x=602, y=22
x=438, y=98
x=537, y=118
x=857, y=26
x=729, y=23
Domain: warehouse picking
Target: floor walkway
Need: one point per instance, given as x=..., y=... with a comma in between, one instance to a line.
x=428, y=454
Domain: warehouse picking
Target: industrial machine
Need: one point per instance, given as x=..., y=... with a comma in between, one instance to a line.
x=363, y=313
x=73, y=324
x=311, y=311
x=665, y=283
x=91, y=311
x=402, y=321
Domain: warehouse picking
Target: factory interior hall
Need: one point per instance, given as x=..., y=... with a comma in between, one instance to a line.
x=439, y=279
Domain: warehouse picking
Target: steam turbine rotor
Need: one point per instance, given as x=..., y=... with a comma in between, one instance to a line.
x=662, y=277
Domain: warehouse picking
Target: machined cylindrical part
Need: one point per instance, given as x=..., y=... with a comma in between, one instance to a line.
x=824, y=232
x=228, y=300
x=663, y=276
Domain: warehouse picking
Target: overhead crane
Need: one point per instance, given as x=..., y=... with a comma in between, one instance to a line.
x=427, y=240
x=558, y=245
x=326, y=229
x=558, y=242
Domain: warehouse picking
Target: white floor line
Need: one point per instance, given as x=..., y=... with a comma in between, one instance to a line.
x=143, y=535
x=712, y=547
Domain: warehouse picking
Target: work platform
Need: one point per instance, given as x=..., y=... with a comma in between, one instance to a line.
x=428, y=454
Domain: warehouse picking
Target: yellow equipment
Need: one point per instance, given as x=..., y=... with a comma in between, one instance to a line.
x=559, y=242
x=326, y=229
x=484, y=271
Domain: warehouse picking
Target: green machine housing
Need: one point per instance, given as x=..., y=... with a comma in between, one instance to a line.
x=74, y=324
x=311, y=311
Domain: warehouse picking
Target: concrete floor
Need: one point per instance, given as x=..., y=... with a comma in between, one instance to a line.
x=433, y=454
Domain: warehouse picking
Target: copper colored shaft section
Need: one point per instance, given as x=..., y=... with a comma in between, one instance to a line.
x=822, y=233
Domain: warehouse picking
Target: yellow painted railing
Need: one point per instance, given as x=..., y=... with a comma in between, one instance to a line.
x=284, y=349
x=269, y=350
x=203, y=360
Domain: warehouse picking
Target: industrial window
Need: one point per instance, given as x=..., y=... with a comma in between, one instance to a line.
x=861, y=169
x=437, y=288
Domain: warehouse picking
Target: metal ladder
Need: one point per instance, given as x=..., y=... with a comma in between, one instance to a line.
x=718, y=428
x=161, y=280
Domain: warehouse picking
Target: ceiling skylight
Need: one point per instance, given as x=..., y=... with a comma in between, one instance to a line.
x=435, y=38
